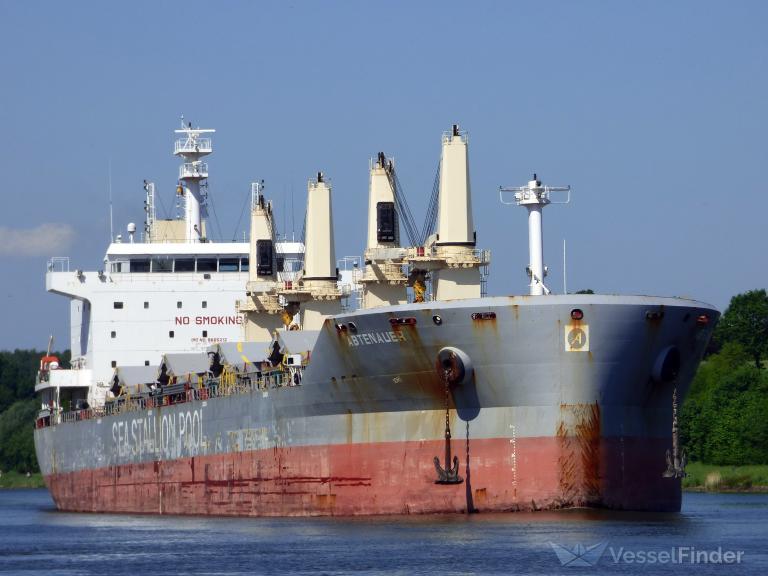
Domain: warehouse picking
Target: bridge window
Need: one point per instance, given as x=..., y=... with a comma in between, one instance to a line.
x=185, y=265
x=146, y=362
x=170, y=334
x=114, y=363
x=113, y=334
x=229, y=265
x=162, y=265
x=139, y=265
x=178, y=304
x=146, y=305
x=117, y=305
x=205, y=303
x=243, y=264
x=206, y=264
x=205, y=333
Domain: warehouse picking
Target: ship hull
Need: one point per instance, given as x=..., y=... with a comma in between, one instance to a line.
x=380, y=478
x=535, y=423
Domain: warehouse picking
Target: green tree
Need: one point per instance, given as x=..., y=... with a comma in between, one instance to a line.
x=587, y=291
x=17, y=374
x=18, y=408
x=746, y=322
x=723, y=418
x=17, y=448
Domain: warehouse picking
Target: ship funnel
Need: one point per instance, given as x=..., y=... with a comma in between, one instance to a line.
x=534, y=197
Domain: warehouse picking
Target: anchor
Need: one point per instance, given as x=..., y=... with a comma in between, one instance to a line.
x=677, y=460
x=449, y=474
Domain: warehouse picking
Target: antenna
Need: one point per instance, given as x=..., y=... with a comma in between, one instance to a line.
x=565, y=272
x=149, y=209
x=534, y=197
x=111, y=231
x=256, y=192
x=192, y=145
x=293, y=218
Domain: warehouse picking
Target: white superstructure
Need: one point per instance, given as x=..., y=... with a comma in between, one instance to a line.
x=172, y=290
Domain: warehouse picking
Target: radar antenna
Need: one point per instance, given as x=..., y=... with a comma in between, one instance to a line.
x=192, y=145
x=534, y=197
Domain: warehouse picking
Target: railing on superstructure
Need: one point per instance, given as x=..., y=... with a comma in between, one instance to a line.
x=193, y=146
x=204, y=387
x=416, y=257
x=193, y=170
x=58, y=264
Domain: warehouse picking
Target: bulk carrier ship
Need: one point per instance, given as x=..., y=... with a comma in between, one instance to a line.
x=429, y=398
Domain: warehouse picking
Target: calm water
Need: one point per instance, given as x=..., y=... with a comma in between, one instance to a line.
x=36, y=539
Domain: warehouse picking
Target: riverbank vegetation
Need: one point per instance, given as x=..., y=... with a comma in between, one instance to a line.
x=18, y=409
x=15, y=479
x=712, y=478
x=723, y=420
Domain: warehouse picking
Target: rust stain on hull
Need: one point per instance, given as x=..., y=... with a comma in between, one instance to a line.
x=578, y=435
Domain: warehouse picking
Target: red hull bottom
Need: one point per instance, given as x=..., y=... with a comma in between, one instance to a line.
x=383, y=478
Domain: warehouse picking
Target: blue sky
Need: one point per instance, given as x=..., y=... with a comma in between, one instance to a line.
x=654, y=112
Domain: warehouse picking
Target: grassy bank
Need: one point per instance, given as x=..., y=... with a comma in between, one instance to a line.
x=711, y=478
x=17, y=480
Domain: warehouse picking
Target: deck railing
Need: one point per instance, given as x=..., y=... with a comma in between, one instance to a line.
x=229, y=383
x=190, y=146
x=193, y=170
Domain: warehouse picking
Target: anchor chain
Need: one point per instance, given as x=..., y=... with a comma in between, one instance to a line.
x=677, y=460
x=449, y=474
